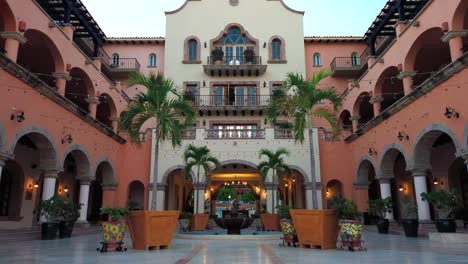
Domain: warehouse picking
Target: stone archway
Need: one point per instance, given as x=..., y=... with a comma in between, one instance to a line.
x=460, y=22
x=106, y=111
x=334, y=189
x=12, y=185
x=345, y=121
x=366, y=177
x=363, y=109
x=179, y=190
x=389, y=88
x=105, y=179
x=136, y=195
x=76, y=172
x=7, y=21
x=292, y=190
x=80, y=89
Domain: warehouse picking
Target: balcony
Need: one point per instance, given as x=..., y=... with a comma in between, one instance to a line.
x=235, y=102
x=349, y=66
x=234, y=66
x=118, y=67
x=235, y=134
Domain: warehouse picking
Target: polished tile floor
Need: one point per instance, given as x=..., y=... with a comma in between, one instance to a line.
x=381, y=249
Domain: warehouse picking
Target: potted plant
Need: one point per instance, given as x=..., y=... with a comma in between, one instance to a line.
x=349, y=222
x=409, y=213
x=217, y=56
x=444, y=203
x=249, y=56
x=184, y=221
x=289, y=233
x=70, y=213
x=113, y=229
x=379, y=208
x=51, y=210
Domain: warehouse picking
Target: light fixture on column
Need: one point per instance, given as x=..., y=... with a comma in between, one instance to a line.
x=285, y=185
x=204, y=83
x=67, y=139
x=450, y=112
x=400, y=188
x=205, y=45
x=60, y=189
x=264, y=84
x=18, y=116
x=264, y=44
x=372, y=152
x=402, y=135
x=328, y=192
x=30, y=187
x=65, y=189
x=436, y=181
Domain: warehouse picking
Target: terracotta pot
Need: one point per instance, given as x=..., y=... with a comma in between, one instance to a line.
x=315, y=227
x=199, y=222
x=113, y=233
x=350, y=233
x=271, y=222
x=152, y=229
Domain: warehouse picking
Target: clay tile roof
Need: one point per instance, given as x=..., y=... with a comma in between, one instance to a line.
x=135, y=40
x=328, y=39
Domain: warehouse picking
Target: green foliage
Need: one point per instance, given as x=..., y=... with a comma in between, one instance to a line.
x=52, y=209
x=380, y=207
x=409, y=209
x=200, y=158
x=185, y=215
x=443, y=201
x=224, y=193
x=70, y=210
x=115, y=213
x=345, y=209
x=218, y=54
x=305, y=103
x=283, y=212
x=162, y=102
x=248, y=197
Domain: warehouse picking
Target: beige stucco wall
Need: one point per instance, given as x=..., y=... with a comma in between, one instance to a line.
x=205, y=19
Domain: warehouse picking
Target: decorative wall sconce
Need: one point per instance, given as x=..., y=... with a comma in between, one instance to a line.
x=67, y=139
x=204, y=122
x=402, y=135
x=17, y=115
x=372, y=151
x=328, y=192
x=293, y=180
x=205, y=45
x=264, y=45
x=30, y=187
x=401, y=188
x=65, y=189
x=60, y=189
x=204, y=83
x=265, y=121
x=36, y=185
x=437, y=182
x=450, y=112
x=264, y=84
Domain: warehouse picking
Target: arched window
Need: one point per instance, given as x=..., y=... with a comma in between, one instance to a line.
x=115, y=60
x=234, y=43
x=317, y=60
x=276, y=50
x=192, y=50
x=152, y=60
x=355, y=60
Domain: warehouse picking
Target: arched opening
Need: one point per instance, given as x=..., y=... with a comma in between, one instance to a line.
x=152, y=60
x=366, y=177
x=428, y=55
x=345, y=121
x=76, y=167
x=115, y=60
x=458, y=180
x=136, y=196
x=276, y=48
x=106, y=110
x=460, y=22
x=104, y=178
x=192, y=50
x=11, y=190
x=291, y=190
x=435, y=150
x=317, y=60
x=389, y=87
x=363, y=108
x=7, y=22
x=179, y=192
x=79, y=89
x=40, y=56
x=34, y=154
x=334, y=190
x=234, y=41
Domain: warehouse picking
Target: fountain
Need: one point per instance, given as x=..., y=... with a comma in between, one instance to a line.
x=231, y=220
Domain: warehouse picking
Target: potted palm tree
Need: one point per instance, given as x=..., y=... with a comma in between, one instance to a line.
x=444, y=203
x=349, y=222
x=114, y=228
x=276, y=164
x=199, y=158
x=409, y=213
x=380, y=208
x=51, y=211
x=70, y=213
x=303, y=103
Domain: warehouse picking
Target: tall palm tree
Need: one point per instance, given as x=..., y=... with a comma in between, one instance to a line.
x=275, y=162
x=163, y=103
x=300, y=99
x=199, y=158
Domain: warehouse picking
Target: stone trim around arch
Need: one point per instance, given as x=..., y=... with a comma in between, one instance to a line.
x=282, y=59
x=187, y=53
x=413, y=163
x=3, y=139
x=301, y=171
x=243, y=31
x=465, y=137
x=34, y=129
x=170, y=170
x=114, y=182
x=81, y=149
x=359, y=181
x=243, y=162
x=387, y=151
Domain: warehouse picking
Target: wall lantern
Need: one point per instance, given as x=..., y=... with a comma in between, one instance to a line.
x=328, y=192
x=60, y=189
x=67, y=139
x=285, y=185
x=402, y=135
x=36, y=185
x=372, y=151
x=204, y=83
x=436, y=181
x=30, y=187
x=204, y=122
x=205, y=45
x=264, y=84
x=264, y=45
x=400, y=188
x=65, y=189
x=18, y=116
x=265, y=121
x=450, y=112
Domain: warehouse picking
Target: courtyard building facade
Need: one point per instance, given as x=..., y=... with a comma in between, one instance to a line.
x=403, y=121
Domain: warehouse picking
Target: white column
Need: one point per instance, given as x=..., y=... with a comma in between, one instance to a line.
x=160, y=196
x=386, y=192
x=1, y=168
x=48, y=187
x=199, y=198
x=309, y=196
x=84, y=197
x=420, y=186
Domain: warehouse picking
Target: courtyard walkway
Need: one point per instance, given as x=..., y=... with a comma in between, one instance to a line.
x=381, y=249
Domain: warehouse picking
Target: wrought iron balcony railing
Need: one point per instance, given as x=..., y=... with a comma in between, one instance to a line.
x=284, y=134
x=208, y=101
x=235, y=60
x=235, y=134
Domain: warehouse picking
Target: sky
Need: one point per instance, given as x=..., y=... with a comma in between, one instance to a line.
x=145, y=18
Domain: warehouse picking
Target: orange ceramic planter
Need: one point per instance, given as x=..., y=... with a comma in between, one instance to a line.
x=152, y=229
x=271, y=222
x=199, y=222
x=315, y=228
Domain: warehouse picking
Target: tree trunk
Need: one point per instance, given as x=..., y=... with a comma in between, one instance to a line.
x=155, y=174
x=272, y=193
x=196, y=190
x=312, y=169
